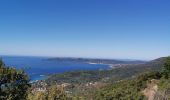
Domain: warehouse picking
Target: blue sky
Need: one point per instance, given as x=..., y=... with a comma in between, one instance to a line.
x=126, y=29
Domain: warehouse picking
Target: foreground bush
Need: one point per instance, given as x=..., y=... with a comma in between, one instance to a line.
x=13, y=84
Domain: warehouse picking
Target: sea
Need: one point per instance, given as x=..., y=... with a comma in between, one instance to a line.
x=39, y=68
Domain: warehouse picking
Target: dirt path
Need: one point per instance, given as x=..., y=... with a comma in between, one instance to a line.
x=151, y=90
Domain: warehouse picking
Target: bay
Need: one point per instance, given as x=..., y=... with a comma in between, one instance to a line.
x=38, y=68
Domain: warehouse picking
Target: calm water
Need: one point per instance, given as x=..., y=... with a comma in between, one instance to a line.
x=38, y=67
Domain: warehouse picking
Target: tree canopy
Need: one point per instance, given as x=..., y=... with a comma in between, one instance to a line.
x=166, y=68
x=13, y=83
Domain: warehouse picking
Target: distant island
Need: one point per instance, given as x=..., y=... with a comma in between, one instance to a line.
x=110, y=62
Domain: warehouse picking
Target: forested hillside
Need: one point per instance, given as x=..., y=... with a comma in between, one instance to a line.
x=115, y=74
x=152, y=85
x=137, y=82
x=117, y=84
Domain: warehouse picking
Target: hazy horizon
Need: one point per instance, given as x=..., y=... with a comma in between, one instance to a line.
x=113, y=29
x=107, y=58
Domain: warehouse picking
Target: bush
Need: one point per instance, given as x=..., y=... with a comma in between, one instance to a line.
x=166, y=68
x=13, y=84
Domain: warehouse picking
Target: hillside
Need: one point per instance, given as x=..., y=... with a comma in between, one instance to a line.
x=150, y=82
x=85, y=83
x=147, y=86
x=126, y=71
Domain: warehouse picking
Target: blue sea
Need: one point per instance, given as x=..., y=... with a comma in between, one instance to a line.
x=39, y=68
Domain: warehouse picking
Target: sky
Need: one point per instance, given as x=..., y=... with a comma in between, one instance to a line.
x=124, y=29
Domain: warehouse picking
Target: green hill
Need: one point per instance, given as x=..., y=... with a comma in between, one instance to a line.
x=150, y=80
x=123, y=83
x=126, y=71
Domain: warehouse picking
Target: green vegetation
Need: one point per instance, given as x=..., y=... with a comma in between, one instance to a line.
x=124, y=83
x=13, y=84
x=164, y=88
x=111, y=76
x=164, y=84
x=78, y=77
x=127, y=89
x=132, y=89
x=166, y=68
x=52, y=93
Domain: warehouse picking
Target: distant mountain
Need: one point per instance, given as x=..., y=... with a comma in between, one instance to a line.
x=98, y=61
x=159, y=61
x=152, y=65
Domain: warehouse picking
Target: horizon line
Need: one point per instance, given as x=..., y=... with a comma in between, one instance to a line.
x=15, y=55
